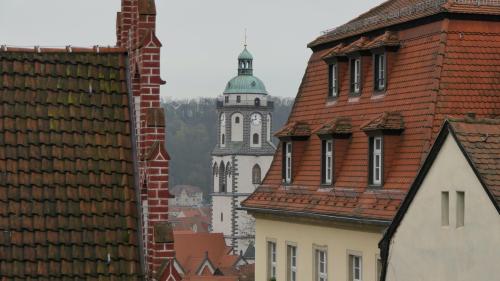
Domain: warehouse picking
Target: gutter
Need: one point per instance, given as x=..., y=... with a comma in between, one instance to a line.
x=375, y=222
x=136, y=170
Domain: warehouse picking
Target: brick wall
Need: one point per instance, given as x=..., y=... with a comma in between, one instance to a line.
x=136, y=23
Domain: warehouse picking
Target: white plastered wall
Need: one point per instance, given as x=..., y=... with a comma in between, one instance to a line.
x=422, y=249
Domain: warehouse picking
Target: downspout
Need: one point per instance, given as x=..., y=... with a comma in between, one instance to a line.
x=136, y=168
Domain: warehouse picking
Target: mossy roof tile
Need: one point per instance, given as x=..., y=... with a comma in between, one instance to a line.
x=67, y=195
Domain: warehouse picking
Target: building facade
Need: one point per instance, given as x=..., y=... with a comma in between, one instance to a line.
x=374, y=95
x=242, y=155
x=448, y=226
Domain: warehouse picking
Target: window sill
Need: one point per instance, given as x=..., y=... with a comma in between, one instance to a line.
x=354, y=98
x=378, y=94
x=331, y=100
x=375, y=186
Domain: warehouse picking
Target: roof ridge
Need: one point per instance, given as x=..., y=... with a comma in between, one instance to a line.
x=61, y=49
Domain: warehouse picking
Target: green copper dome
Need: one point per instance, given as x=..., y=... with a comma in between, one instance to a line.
x=245, y=82
x=245, y=55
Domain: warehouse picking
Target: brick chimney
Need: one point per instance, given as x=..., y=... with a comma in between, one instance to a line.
x=135, y=31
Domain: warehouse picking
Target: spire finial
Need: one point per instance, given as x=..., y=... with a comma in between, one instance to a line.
x=245, y=38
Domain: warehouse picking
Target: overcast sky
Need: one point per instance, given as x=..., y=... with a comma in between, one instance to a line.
x=201, y=38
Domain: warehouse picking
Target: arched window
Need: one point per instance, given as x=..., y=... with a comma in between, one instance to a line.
x=215, y=170
x=257, y=102
x=221, y=217
x=223, y=139
x=237, y=120
x=222, y=177
x=256, y=174
x=255, y=138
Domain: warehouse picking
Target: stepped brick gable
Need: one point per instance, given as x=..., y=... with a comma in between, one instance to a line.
x=136, y=25
x=441, y=60
x=83, y=166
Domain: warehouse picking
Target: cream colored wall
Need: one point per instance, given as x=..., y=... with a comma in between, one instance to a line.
x=422, y=249
x=338, y=240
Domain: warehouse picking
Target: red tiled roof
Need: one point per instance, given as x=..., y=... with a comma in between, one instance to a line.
x=336, y=126
x=295, y=129
x=385, y=121
x=67, y=195
x=191, y=248
x=481, y=141
x=393, y=12
x=442, y=68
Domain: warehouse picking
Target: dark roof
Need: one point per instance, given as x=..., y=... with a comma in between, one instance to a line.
x=443, y=68
x=393, y=12
x=67, y=196
x=479, y=140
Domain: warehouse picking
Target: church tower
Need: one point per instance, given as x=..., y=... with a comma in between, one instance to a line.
x=243, y=154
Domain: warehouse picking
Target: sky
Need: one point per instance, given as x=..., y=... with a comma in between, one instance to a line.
x=201, y=38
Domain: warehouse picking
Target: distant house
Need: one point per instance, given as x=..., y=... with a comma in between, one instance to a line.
x=448, y=227
x=186, y=196
x=205, y=256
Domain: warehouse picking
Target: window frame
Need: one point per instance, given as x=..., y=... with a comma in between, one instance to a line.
x=271, y=248
x=325, y=154
x=355, y=73
x=318, y=274
x=378, y=71
x=287, y=159
x=352, y=268
x=373, y=152
x=291, y=255
x=333, y=80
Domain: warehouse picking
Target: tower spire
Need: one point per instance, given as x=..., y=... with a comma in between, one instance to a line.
x=245, y=37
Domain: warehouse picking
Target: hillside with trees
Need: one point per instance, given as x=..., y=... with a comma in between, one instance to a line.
x=192, y=134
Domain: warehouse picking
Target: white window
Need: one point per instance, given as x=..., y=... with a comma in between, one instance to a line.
x=291, y=263
x=445, y=208
x=288, y=162
x=355, y=268
x=460, y=208
x=271, y=260
x=355, y=75
x=333, y=91
x=327, y=161
x=380, y=71
x=321, y=265
x=376, y=158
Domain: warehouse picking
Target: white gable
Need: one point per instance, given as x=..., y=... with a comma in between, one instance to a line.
x=423, y=249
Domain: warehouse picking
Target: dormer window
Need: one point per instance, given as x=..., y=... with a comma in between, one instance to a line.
x=333, y=80
x=380, y=71
x=287, y=160
x=327, y=161
x=355, y=77
x=376, y=165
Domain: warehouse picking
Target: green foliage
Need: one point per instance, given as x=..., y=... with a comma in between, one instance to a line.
x=191, y=136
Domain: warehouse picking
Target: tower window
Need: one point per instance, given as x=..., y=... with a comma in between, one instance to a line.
x=256, y=138
x=237, y=120
x=221, y=217
x=226, y=99
x=257, y=102
x=223, y=139
x=256, y=174
x=238, y=99
x=222, y=178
